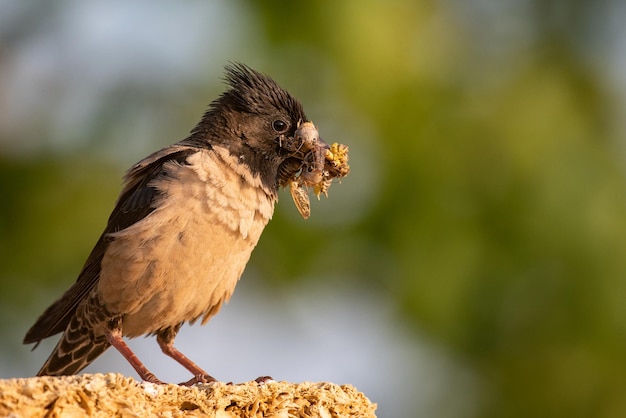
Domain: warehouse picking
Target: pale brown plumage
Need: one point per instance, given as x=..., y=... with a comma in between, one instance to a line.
x=181, y=232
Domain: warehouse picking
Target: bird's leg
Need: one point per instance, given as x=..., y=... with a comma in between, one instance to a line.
x=114, y=337
x=165, y=339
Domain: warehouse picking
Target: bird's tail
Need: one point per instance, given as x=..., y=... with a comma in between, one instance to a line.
x=76, y=349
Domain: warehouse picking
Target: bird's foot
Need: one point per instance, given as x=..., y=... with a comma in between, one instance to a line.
x=263, y=379
x=199, y=378
x=151, y=378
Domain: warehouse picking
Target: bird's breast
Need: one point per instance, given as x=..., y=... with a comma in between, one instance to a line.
x=184, y=259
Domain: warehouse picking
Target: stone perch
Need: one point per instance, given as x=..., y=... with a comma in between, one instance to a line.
x=107, y=395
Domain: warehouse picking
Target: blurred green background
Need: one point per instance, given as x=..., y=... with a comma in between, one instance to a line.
x=486, y=205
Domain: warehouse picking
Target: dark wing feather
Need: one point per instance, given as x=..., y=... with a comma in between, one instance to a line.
x=134, y=204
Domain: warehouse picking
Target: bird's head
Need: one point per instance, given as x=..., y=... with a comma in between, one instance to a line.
x=266, y=129
x=255, y=119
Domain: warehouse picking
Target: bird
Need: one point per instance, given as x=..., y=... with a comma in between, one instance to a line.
x=182, y=230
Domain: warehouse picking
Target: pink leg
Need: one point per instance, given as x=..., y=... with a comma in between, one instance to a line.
x=114, y=338
x=166, y=342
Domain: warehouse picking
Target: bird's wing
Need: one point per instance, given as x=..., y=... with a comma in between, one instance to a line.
x=134, y=204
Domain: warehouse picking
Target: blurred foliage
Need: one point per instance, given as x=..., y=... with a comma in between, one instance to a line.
x=53, y=210
x=496, y=220
x=503, y=198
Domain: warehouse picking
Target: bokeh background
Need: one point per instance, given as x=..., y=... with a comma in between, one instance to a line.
x=471, y=265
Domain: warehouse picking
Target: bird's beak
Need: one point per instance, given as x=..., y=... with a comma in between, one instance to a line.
x=313, y=163
x=307, y=138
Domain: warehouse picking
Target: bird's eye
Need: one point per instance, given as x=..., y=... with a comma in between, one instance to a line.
x=279, y=125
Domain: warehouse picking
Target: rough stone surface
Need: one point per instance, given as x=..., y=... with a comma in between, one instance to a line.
x=114, y=395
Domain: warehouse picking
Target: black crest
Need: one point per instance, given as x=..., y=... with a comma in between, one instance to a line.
x=255, y=92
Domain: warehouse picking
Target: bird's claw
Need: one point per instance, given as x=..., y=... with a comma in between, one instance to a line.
x=151, y=378
x=263, y=379
x=199, y=378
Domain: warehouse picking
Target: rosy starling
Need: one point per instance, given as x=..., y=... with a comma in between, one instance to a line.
x=185, y=224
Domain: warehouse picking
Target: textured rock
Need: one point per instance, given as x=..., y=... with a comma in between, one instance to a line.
x=116, y=395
